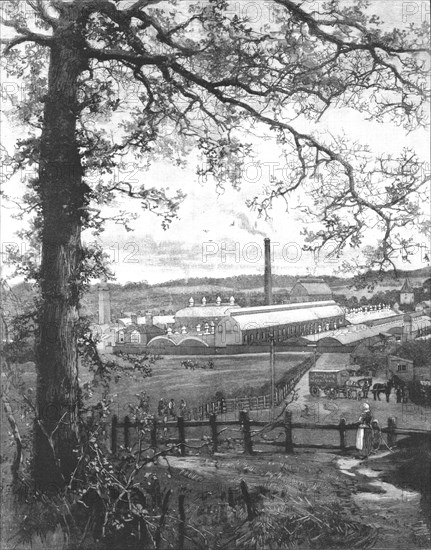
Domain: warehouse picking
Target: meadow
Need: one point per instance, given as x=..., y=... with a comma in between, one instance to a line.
x=232, y=375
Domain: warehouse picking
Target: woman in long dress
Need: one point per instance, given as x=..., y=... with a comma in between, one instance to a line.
x=364, y=436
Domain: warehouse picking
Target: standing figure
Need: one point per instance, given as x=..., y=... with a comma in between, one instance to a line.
x=183, y=408
x=171, y=407
x=365, y=389
x=376, y=435
x=364, y=436
x=165, y=412
x=222, y=405
x=388, y=389
x=161, y=407
x=399, y=393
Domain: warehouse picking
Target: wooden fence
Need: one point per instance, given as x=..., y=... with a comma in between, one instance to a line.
x=244, y=424
x=256, y=403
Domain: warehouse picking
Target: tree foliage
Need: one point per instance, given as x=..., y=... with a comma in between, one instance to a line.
x=153, y=69
x=417, y=351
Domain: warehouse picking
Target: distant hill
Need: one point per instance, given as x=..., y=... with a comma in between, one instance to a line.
x=168, y=297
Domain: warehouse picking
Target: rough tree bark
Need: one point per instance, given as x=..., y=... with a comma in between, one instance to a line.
x=62, y=196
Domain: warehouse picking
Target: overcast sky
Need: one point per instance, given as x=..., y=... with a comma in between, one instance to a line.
x=216, y=234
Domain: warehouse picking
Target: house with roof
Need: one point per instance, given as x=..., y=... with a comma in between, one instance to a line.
x=424, y=307
x=407, y=294
x=310, y=290
x=137, y=334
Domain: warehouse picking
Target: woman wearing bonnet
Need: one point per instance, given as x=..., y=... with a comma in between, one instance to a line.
x=364, y=435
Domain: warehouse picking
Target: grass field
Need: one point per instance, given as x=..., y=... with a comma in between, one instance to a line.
x=231, y=375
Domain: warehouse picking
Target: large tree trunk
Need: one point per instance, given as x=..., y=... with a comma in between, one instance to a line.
x=62, y=196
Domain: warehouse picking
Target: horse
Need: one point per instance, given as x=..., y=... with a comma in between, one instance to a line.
x=379, y=388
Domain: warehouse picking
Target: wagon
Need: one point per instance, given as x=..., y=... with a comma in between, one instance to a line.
x=332, y=382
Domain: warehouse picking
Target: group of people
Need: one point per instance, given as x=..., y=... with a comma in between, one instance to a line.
x=168, y=410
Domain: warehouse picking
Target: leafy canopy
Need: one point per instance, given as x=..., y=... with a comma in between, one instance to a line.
x=170, y=76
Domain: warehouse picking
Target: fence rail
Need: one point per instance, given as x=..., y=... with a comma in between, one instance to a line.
x=244, y=424
x=255, y=403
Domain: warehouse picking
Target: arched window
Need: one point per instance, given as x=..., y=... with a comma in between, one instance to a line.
x=135, y=337
x=121, y=336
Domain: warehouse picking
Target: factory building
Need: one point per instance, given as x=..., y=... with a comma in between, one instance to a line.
x=311, y=318
x=257, y=325
x=221, y=325
x=310, y=290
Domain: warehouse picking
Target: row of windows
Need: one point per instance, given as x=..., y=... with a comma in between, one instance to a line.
x=281, y=333
x=135, y=337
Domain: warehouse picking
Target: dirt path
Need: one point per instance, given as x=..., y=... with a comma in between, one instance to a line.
x=392, y=517
x=396, y=512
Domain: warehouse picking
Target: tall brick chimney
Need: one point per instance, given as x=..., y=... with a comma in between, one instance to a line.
x=104, y=304
x=268, y=277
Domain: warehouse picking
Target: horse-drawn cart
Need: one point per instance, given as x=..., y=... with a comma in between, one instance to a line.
x=335, y=383
x=331, y=382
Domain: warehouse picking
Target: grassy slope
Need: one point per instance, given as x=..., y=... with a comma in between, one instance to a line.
x=230, y=375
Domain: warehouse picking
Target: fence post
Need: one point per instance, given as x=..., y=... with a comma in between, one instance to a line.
x=126, y=431
x=392, y=438
x=182, y=522
x=214, y=432
x=245, y=421
x=251, y=512
x=342, y=429
x=154, y=434
x=114, y=434
x=288, y=445
x=182, y=436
